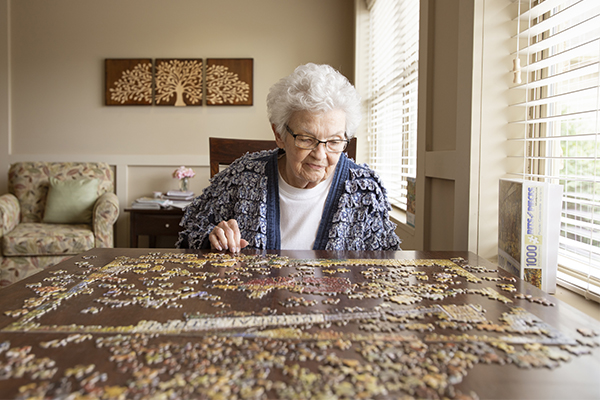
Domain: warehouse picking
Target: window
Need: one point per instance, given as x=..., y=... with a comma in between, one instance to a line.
x=556, y=122
x=393, y=48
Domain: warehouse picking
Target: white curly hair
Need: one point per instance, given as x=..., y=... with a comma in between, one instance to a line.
x=314, y=88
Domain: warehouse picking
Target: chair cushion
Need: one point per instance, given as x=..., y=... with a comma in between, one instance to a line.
x=29, y=182
x=33, y=239
x=70, y=201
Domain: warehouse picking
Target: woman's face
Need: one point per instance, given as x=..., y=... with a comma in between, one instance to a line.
x=307, y=168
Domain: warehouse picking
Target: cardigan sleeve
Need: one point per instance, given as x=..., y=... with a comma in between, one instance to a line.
x=238, y=192
x=361, y=219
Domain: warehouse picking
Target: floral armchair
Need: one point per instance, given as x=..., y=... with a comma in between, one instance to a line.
x=28, y=242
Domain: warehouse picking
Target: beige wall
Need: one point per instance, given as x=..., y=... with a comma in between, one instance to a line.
x=493, y=65
x=462, y=123
x=52, y=78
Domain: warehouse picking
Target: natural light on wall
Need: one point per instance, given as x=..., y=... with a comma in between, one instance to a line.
x=392, y=98
x=556, y=123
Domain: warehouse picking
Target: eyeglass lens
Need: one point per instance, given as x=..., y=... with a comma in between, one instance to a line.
x=311, y=143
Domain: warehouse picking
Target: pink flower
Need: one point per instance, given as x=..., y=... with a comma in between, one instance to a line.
x=183, y=172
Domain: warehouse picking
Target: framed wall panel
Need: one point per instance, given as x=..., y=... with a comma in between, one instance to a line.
x=229, y=81
x=128, y=81
x=178, y=82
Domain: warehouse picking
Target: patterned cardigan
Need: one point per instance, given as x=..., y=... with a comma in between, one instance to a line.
x=355, y=216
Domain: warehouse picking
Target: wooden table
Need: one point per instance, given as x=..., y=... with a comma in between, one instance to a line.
x=136, y=323
x=153, y=223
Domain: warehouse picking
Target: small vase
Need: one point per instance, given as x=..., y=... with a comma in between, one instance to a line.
x=183, y=184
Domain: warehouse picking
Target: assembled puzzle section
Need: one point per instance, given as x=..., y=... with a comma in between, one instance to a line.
x=172, y=324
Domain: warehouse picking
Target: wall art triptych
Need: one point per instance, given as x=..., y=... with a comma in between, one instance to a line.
x=179, y=81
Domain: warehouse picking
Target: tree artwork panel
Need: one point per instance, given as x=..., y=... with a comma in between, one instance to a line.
x=128, y=81
x=229, y=81
x=178, y=82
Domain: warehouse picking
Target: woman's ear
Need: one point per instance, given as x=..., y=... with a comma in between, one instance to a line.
x=278, y=138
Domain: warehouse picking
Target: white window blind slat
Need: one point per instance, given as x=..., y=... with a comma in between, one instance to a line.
x=579, y=11
x=565, y=56
x=554, y=118
x=392, y=97
x=561, y=77
x=570, y=96
x=540, y=9
x=574, y=137
x=559, y=116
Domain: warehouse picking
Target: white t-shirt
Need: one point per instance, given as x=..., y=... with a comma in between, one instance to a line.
x=300, y=213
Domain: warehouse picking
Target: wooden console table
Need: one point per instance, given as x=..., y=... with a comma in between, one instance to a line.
x=153, y=223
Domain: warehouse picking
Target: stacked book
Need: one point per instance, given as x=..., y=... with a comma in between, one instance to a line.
x=179, y=195
x=179, y=199
x=151, y=203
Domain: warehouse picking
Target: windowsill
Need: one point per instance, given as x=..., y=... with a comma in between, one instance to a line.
x=398, y=216
x=571, y=297
x=576, y=300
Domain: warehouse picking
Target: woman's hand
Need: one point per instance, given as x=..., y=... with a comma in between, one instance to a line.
x=226, y=236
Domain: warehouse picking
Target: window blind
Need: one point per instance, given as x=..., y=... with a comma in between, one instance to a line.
x=555, y=123
x=392, y=93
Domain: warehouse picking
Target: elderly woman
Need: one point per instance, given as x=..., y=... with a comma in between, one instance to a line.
x=305, y=195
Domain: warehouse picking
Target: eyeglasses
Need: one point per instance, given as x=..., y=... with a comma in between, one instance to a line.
x=311, y=143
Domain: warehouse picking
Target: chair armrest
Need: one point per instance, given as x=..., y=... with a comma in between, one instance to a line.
x=9, y=213
x=106, y=212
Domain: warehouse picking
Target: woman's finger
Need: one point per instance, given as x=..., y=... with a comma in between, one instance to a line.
x=217, y=238
x=235, y=236
x=227, y=236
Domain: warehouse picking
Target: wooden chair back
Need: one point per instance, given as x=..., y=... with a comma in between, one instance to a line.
x=224, y=151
